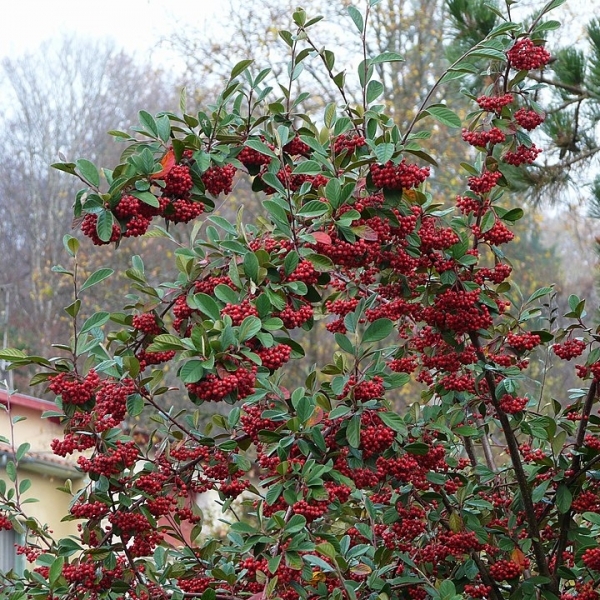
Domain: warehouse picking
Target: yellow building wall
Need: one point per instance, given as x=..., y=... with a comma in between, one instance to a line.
x=52, y=504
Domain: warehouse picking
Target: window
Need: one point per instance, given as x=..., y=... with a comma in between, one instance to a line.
x=8, y=553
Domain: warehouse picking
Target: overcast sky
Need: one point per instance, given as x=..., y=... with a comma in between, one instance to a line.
x=135, y=24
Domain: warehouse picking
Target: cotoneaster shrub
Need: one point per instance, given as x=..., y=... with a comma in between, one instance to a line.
x=477, y=490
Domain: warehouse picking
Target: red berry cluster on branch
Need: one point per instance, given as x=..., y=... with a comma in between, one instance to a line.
x=74, y=389
x=569, y=349
x=523, y=342
x=403, y=176
x=482, y=138
x=505, y=570
x=528, y=119
x=495, y=104
x=523, y=155
x=526, y=56
x=219, y=179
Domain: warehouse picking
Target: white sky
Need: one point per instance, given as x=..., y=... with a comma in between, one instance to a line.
x=135, y=24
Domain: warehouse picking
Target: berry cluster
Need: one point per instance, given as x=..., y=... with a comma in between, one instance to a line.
x=485, y=182
x=147, y=323
x=523, y=155
x=497, y=235
x=528, y=119
x=569, y=349
x=526, y=56
x=305, y=272
x=219, y=179
x=494, y=104
x=251, y=158
x=591, y=559
x=73, y=389
x=5, y=523
x=310, y=510
x=511, y=404
x=238, y=312
x=481, y=139
x=215, y=388
x=375, y=437
x=275, y=357
x=178, y=182
x=403, y=176
x=505, y=570
x=348, y=143
x=89, y=229
x=523, y=341
x=180, y=210
x=296, y=317
x=297, y=148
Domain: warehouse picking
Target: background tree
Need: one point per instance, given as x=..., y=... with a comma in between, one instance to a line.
x=481, y=490
x=58, y=100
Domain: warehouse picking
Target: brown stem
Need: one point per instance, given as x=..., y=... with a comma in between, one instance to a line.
x=515, y=456
x=565, y=519
x=487, y=450
x=558, y=84
x=470, y=451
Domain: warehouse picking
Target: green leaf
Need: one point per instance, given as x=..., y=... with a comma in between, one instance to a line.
x=192, y=371
x=96, y=277
x=539, y=294
x=240, y=68
x=563, y=498
x=165, y=341
x=104, y=226
x=386, y=57
x=445, y=116
x=22, y=450
x=71, y=244
x=488, y=221
x=353, y=431
x=226, y=294
x=272, y=181
x=488, y=53
x=56, y=570
x=73, y=309
x=374, y=90
x=10, y=353
x=513, y=215
x=313, y=208
x=356, y=17
x=307, y=167
x=393, y=421
x=318, y=562
x=148, y=122
x=250, y=326
x=330, y=114
x=344, y=343
x=384, y=152
x=146, y=198
x=11, y=470
x=418, y=448
x=135, y=405
x=273, y=494
x=96, y=320
x=88, y=171
x=322, y=264
x=205, y=304
x=260, y=147
x=333, y=191
x=251, y=266
x=378, y=330
x=295, y=524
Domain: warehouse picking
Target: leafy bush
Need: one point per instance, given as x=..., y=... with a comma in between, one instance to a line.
x=476, y=491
